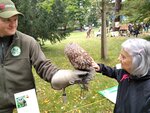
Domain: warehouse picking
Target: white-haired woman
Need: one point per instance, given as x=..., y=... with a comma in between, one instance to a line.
x=133, y=77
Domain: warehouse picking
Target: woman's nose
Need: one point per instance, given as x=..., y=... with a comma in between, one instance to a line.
x=119, y=58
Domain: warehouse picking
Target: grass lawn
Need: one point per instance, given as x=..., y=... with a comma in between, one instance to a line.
x=50, y=101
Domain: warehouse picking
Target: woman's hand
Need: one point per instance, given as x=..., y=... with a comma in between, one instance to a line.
x=95, y=66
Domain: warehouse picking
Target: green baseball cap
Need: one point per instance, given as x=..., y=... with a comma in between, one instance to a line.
x=8, y=9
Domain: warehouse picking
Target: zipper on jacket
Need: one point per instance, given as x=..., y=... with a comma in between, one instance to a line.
x=2, y=60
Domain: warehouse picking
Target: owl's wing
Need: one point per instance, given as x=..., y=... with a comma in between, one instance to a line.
x=78, y=57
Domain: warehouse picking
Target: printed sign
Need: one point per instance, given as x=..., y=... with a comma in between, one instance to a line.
x=26, y=102
x=110, y=93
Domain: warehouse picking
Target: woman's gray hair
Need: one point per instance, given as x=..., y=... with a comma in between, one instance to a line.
x=139, y=49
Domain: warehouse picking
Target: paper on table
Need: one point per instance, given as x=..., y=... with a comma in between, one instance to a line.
x=26, y=102
x=110, y=93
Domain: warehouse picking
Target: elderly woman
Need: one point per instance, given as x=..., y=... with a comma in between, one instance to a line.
x=133, y=77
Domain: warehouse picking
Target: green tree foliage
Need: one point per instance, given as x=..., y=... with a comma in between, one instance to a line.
x=43, y=20
x=97, y=9
x=136, y=10
x=77, y=11
x=92, y=17
x=53, y=20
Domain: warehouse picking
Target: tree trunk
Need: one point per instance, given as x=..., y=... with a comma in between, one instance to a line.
x=117, y=18
x=103, y=36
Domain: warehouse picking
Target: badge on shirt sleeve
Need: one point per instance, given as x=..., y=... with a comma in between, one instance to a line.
x=16, y=51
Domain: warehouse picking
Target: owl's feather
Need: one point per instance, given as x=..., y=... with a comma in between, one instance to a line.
x=78, y=57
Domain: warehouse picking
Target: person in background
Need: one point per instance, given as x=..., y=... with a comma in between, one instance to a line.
x=137, y=27
x=146, y=27
x=18, y=53
x=130, y=29
x=133, y=95
x=88, y=32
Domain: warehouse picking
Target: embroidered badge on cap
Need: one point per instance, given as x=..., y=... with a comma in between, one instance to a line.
x=2, y=6
x=15, y=51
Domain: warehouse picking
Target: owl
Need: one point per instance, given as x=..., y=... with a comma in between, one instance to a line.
x=78, y=57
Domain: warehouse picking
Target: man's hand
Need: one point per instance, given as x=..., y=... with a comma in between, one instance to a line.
x=64, y=78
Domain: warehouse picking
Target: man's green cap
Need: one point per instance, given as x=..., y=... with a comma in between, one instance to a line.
x=8, y=9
